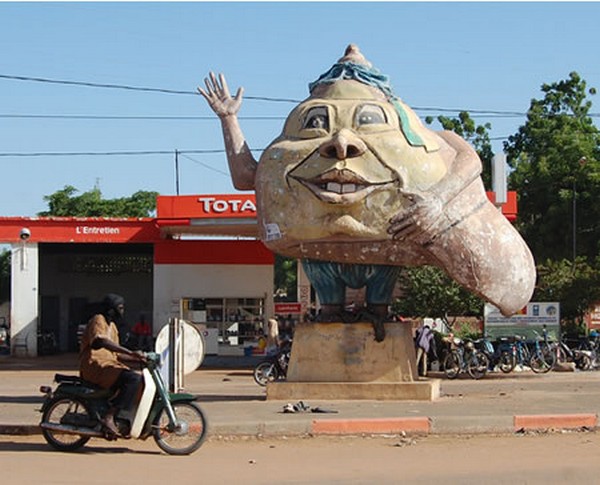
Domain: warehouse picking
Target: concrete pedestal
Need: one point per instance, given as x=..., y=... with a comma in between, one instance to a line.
x=343, y=361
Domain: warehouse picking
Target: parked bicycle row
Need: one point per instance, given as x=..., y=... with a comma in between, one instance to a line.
x=477, y=357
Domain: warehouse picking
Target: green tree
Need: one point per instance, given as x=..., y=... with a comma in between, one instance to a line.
x=429, y=292
x=286, y=277
x=575, y=286
x=91, y=204
x=557, y=173
x=477, y=135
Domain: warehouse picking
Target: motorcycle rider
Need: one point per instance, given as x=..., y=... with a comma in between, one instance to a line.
x=103, y=361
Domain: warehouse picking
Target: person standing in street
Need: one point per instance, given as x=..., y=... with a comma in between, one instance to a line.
x=423, y=343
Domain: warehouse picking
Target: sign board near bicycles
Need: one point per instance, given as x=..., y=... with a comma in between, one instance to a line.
x=528, y=322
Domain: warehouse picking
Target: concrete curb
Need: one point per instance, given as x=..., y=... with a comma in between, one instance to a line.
x=371, y=426
x=555, y=421
x=410, y=425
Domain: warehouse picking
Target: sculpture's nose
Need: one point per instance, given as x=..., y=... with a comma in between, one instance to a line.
x=344, y=144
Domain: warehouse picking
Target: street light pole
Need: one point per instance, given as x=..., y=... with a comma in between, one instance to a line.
x=582, y=162
x=574, y=220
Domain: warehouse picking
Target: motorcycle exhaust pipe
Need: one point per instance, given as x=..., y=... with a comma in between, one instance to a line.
x=69, y=429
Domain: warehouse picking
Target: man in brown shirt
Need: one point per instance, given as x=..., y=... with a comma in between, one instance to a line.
x=102, y=359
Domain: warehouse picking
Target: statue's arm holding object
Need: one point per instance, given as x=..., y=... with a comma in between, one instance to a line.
x=423, y=216
x=242, y=164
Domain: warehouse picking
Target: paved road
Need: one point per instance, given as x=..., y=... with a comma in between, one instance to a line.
x=472, y=460
x=235, y=405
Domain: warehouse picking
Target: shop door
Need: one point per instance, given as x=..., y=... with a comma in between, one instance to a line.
x=49, y=325
x=77, y=317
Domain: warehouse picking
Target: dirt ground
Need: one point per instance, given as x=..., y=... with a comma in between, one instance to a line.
x=479, y=459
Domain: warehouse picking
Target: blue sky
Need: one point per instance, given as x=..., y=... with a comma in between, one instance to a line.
x=473, y=56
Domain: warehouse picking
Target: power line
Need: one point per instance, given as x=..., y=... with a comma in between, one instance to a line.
x=205, y=165
x=489, y=113
x=130, y=117
x=130, y=88
x=105, y=153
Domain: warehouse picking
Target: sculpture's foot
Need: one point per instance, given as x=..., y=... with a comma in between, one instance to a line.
x=330, y=313
x=375, y=314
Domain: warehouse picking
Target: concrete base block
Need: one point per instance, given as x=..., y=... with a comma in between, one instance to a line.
x=343, y=361
x=348, y=352
x=428, y=390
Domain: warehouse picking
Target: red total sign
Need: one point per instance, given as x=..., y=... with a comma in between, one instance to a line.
x=206, y=206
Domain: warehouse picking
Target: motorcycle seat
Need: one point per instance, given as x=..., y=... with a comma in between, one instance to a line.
x=75, y=380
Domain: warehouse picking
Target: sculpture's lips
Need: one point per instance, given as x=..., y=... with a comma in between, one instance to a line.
x=340, y=186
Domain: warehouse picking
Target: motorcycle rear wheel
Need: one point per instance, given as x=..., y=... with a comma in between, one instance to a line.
x=189, y=434
x=265, y=372
x=64, y=410
x=478, y=365
x=507, y=362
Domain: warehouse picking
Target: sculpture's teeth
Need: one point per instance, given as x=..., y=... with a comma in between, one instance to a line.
x=341, y=188
x=334, y=187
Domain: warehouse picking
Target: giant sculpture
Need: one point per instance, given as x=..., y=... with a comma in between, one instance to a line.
x=356, y=187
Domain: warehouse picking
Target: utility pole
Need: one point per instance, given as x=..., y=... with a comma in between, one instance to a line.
x=574, y=219
x=176, y=172
x=499, y=185
x=582, y=162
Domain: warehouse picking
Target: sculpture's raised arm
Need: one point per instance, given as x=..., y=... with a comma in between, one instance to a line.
x=242, y=163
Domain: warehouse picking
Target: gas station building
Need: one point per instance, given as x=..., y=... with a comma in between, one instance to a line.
x=199, y=259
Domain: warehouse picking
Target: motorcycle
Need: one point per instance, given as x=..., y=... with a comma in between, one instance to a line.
x=274, y=367
x=72, y=414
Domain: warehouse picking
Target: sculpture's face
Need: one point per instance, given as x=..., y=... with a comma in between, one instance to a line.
x=339, y=170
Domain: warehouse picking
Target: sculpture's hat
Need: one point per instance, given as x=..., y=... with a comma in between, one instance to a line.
x=354, y=66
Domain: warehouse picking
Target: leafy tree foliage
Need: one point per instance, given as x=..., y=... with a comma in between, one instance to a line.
x=91, y=204
x=476, y=135
x=555, y=157
x=557, y=172
x=286, y=277
x=575, y=286
x=429, y=292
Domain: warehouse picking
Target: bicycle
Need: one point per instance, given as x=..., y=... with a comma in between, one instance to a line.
x=543, y=359
x=464, y=357
x=581, y=354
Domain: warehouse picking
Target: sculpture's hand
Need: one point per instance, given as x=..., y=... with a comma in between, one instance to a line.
x=218, y=97
x=420, y=218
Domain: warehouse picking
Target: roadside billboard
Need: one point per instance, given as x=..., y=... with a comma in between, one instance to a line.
x=526, y=322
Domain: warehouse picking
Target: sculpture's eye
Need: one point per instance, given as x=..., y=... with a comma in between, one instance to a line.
x=370, y=114
x=317, y=118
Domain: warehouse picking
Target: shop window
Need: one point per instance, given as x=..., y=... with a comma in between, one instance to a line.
x=238, y=320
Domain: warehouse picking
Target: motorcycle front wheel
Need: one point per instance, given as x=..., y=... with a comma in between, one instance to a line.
x=65, y=411
x=187, y=435
x=452, y=364
x=265, y=372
